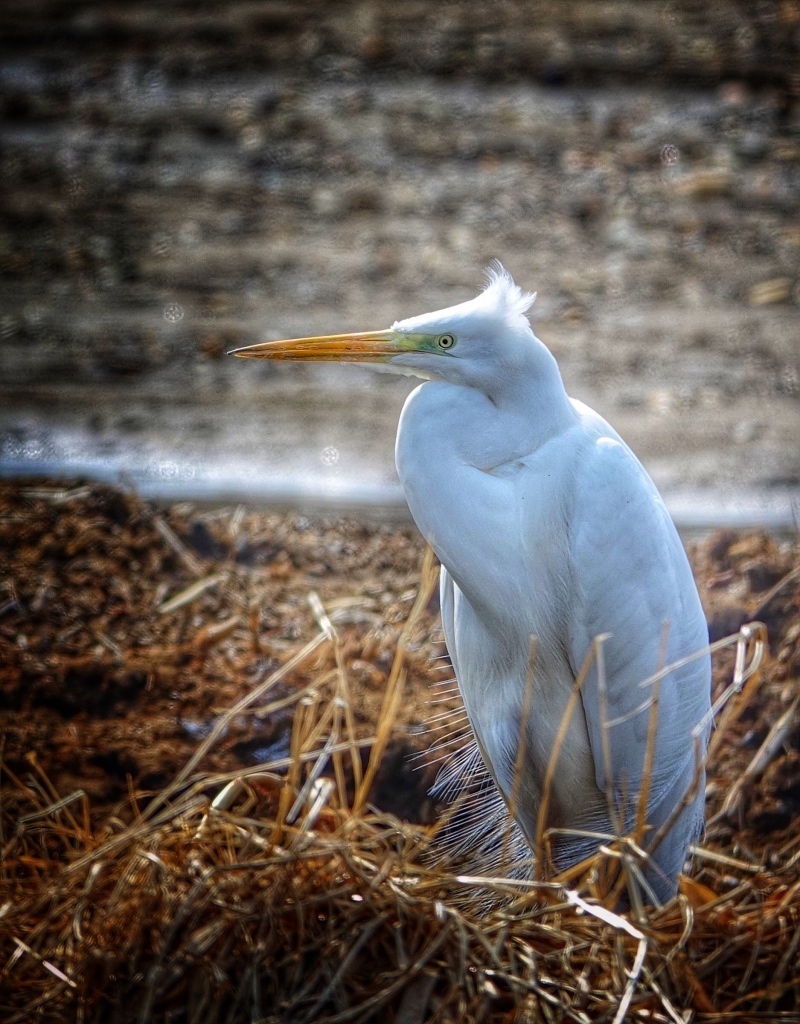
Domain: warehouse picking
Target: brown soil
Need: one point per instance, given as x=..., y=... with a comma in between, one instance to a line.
x=109, y=689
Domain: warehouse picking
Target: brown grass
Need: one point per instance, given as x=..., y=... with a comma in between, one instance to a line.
x=278, y=894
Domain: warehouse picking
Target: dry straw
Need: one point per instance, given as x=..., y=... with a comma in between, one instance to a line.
x=278, y=894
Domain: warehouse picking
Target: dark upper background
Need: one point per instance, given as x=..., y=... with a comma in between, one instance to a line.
x=179, y=178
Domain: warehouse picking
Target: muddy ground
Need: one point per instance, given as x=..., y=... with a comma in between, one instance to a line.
x=125, y=629
x=179, y=179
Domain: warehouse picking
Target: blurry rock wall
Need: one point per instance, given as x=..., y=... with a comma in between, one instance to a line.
x=139, y=135
x=179, y=178
x=565, y=42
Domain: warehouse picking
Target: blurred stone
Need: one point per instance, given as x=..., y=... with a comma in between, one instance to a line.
x=213, y=345
x=778, y=289
x=746, y=430
x=326, y=202
x=752, y=145
x=374, y=47
x=704, y=184
x=660, y=400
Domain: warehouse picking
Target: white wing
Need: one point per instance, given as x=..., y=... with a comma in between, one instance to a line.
x=631, y=579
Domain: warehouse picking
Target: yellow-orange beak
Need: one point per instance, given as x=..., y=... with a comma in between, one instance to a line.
x=367, y=347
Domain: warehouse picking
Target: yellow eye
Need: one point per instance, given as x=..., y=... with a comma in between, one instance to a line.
x=446, y=341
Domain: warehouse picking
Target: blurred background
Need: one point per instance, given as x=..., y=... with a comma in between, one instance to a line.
x=181, y=178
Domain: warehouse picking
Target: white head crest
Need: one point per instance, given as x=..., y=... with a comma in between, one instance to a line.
x=503, y=294
x=501, y=302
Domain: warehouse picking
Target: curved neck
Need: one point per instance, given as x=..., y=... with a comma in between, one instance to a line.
x=459, y=455
x=459, y=449
x=514, y=415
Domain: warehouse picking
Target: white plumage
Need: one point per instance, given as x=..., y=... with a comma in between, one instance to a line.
x=547, y=527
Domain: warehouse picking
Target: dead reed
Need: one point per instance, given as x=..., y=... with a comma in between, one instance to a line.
x=205, y=908
x=279, y=894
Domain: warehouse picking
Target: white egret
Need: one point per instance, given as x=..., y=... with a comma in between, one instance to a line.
x=548, y=527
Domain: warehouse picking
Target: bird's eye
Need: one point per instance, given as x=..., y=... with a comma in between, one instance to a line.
x=446, y=341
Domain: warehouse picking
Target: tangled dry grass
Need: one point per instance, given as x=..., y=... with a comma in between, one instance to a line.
x=278, y=893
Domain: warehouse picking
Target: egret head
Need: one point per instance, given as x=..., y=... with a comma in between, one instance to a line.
x=473, y=343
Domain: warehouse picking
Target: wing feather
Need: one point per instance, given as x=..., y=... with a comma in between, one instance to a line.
x=632, y=580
